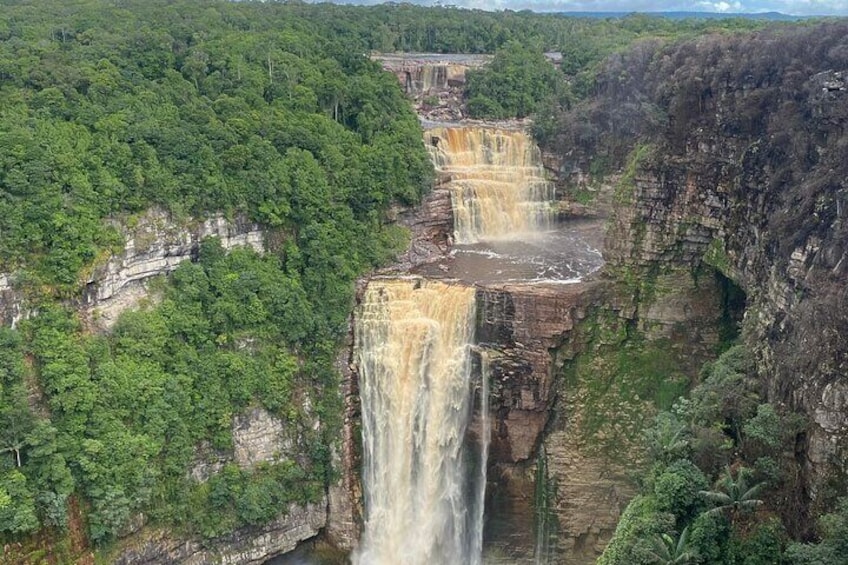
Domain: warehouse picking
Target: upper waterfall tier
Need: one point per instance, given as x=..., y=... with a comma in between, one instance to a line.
x=496, y=179
x=412, y=347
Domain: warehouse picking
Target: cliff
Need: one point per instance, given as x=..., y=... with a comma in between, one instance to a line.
x=740, y=164
x=154, y=245
x=434, y=82
x=245, y=546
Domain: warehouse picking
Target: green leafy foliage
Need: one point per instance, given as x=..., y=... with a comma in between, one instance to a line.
x=723, y=422
x=670, y=551
x=265, y=110
x=832, y=549
x=677, y=489
x=130, y=410
x=131, y=109
x=734, y=494
x=514, y=84
x=245, y=109
x=632, y=543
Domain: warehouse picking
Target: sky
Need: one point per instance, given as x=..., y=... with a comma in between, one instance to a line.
x=793, y=7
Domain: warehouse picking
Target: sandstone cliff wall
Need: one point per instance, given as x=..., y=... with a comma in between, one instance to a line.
x=244, y=547
x=155, y=244
x=740, y=164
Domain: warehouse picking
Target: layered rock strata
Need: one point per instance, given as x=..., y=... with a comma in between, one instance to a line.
x=746, y=172
x=247, y=546
x=519, y=326
x=154, y=246
x=258, y=436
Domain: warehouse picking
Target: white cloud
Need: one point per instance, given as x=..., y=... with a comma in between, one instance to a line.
x=720, y=6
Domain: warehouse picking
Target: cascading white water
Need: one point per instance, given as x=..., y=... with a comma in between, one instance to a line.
x=424, y=482
x=412, y=345
x=430, y=78
x=485, y=434
x=497, y=182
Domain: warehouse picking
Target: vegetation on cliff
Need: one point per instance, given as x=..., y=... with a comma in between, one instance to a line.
x=746, y=173
x=108, y=109
x=265, y=110
x=717, y=462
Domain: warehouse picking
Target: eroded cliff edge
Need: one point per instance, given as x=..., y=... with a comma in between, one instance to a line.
x=739, y=164
x=155, y=243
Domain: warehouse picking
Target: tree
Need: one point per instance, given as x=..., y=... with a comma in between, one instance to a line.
x=833, y=547
x=514, y=84
x=735, y=495
x=668, y=438
x=668, y=551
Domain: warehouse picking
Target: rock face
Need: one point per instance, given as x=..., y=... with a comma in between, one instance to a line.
x=258, y=436
x=748, y=174
x=430, y=225
x=344, y=522
x=154, y=246
x=526, y=335
x=434, y=82
x=517, y=328
x=246, y=546
x=12, y=302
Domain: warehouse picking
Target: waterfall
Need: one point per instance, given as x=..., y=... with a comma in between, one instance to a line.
x=484, y=430
x=496, y=180
x=432, y=78
x=412, y=346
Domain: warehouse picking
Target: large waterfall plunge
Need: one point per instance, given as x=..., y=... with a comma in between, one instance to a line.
x=497, y=182
x=413, y=348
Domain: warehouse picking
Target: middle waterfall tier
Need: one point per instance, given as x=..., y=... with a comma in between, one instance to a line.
x=496, y=180
x=413, y=342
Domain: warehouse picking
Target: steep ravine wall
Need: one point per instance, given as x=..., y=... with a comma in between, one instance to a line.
x=155, y=244
x=527, y=335
x=748, y=173
x=248, y=546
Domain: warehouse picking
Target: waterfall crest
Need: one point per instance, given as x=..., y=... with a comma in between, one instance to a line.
x=497, y=181
x=412, y=344
x=428, y=79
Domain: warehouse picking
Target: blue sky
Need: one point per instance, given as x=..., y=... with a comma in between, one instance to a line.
x=795, y=7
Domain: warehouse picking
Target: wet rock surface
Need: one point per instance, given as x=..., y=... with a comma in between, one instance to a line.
x=749, y=177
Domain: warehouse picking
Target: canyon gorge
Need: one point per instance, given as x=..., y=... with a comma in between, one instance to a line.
x=468, y=377
x=680, y=274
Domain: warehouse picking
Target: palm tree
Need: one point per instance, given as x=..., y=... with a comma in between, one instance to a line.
x=668, y=438
x=668, y=551
x=735, y=495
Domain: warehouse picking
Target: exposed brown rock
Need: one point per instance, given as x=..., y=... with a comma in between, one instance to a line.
x=431, y=225
x=518, y=326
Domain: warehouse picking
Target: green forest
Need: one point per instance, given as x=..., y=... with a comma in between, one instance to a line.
x=271, y=112
x=110, y=109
